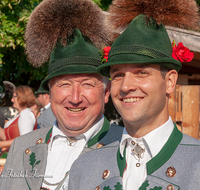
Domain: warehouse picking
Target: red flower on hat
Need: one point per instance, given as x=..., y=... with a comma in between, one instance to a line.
x=105, y=53
x=181, y=53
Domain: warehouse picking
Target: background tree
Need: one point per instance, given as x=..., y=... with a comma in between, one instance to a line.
x=13, y=63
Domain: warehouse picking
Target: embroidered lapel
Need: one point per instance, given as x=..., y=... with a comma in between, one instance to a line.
x=34, y=159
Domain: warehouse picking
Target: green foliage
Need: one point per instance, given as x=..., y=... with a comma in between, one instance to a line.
x=13, y=63
x=104, y=4
x=14, y=66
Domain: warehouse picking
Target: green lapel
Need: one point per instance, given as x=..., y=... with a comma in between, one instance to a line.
x=121, y=161
x=100, y=134
x=48, y=136
x=166, y=152
x=161, y=158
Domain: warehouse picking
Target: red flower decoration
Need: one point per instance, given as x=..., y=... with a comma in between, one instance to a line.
x=181, y=53
x=105, y=52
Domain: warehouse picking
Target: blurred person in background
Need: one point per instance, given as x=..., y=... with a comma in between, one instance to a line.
x=46, y=118
x=24, y=122
x=2, y=118
x=6, y=104
x=36, y=108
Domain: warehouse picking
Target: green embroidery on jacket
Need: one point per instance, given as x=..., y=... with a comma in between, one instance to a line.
x=107, y=188
x=32, y=160
x=156, y=188
x=144, y=185
x=118, y=186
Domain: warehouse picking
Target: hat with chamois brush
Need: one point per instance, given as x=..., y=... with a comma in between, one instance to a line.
x=144, y=38
x=68, y=34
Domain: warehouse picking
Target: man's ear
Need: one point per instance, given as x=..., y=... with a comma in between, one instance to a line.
x=171, y=79
x=107, y=91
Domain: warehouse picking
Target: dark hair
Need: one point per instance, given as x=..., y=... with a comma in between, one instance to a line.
x=164, y=71
x=25, y=96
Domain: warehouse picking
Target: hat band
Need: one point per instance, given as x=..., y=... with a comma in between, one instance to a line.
x=140, y=50
x=73, y=61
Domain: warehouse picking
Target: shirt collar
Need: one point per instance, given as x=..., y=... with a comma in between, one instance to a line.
x=87, y=135
x=160, y=134
x=47, y=106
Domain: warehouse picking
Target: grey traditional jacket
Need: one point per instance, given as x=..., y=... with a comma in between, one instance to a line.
x=176, y=166
x=47, y=118
x=26, y=161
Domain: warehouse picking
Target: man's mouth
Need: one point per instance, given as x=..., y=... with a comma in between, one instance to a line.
x=131, y=100
x=75, y=110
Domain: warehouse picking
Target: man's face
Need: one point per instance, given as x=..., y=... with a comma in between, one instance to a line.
x=77, y=101
x=41, y=99
x=139, y=94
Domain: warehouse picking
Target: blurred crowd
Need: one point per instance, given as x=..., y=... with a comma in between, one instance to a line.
x=22, y=111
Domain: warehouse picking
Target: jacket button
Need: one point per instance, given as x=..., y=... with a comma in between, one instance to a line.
x=106, y=174
x=171, y=172
x=39, y=141
x=100, y=145
x=27, y=151
x=170, y=187
x=97, y=188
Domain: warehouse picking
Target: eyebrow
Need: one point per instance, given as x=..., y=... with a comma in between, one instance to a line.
x=143, y=65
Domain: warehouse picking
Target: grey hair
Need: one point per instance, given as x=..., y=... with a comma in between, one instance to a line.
x=105, y=81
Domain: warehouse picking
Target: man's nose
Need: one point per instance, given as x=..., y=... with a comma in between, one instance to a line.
x=76, y=96
x=128, y=83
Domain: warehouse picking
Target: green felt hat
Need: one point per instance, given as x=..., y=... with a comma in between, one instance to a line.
x=141, y=42
x=79, y=56
x=41, y=91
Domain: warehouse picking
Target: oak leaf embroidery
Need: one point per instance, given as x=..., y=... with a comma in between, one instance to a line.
x=33, y=161
x=118, y=186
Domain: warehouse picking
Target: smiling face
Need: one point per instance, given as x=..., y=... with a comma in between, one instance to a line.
x=140, y=95
x=77, y=101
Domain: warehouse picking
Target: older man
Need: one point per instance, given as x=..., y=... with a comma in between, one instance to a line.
x=42, y=159
x=153, y=154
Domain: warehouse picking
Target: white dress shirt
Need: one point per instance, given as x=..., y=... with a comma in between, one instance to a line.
x=153, y=142
x=61, y=155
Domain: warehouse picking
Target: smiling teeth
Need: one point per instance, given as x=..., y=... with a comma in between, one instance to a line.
x=130, y=100
x=75, y=109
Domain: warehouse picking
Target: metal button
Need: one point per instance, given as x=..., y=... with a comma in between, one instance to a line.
x=171, y=172
x=27, y=151
x=97, y=188
x=170, y=187
x=39, y=141
x=106, y=174
x=133, y=142
x=100, y=145
x=138, y=165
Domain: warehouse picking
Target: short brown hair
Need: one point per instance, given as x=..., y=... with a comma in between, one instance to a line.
x=25, y=96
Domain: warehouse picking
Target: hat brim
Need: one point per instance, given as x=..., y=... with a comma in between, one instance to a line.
x=128, y=58
x=68, y=69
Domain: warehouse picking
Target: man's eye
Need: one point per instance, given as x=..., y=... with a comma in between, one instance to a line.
x=64, y=84
x=117, y=76
x=88, y=84
x=142, y=72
